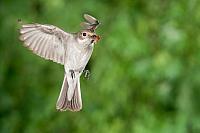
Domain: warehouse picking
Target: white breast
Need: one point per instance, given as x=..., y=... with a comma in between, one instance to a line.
x=77, y=58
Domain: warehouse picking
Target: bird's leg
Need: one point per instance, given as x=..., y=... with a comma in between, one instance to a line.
x=72, y=73
x=79, y=70
x=87, y=74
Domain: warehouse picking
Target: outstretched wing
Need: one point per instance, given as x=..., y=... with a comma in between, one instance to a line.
x=46, y=41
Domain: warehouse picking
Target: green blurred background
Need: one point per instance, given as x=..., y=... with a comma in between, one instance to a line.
x=145, y=71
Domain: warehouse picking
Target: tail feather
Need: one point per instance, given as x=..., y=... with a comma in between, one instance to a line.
x=71, y=87
x=75, y=104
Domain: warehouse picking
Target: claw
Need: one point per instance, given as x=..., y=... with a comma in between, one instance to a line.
x=87, y=74
x=72, y=73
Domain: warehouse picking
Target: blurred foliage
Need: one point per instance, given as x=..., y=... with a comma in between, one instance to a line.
x=145, y=72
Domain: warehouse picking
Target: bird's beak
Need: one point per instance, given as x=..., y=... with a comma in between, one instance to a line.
x=96, y=38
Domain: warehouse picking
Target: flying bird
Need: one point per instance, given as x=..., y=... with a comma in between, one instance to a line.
x=73, y=50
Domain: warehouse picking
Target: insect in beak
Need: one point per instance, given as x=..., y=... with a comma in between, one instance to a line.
x=95, y=38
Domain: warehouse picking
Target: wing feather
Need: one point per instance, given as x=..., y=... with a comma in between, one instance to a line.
x=48, y=48
x=46, y=41
x=37, y=42
x=43, y=46
x=25, y=30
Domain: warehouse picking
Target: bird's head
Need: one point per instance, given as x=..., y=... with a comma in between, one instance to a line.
x=87, y=37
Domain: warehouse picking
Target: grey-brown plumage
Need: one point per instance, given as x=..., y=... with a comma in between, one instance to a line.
x=71, y=50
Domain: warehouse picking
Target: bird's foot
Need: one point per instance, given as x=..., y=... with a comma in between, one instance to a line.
x=72, y=73
x=87, y=74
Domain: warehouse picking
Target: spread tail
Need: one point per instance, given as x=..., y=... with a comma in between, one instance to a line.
x=69, y=98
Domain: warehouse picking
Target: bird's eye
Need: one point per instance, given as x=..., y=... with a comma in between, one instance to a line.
x=84, y=34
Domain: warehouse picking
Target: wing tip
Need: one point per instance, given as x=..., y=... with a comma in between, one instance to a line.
x=21, y=38
x=31, y=25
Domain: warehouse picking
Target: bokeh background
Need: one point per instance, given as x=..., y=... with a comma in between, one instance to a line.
x=145, y=71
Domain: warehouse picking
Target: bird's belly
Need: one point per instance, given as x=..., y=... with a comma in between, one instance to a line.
x=73, y=61
x=77, y=60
